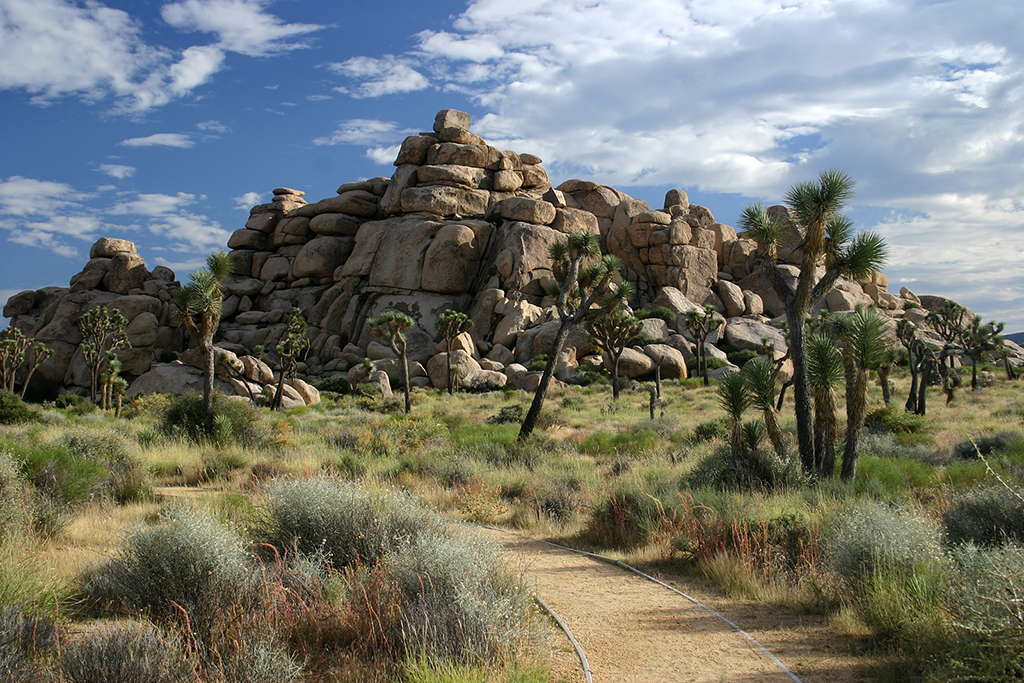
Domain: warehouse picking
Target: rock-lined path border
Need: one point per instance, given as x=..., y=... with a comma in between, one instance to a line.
x=632, y=631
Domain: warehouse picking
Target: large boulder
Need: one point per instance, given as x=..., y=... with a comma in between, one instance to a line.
x=451, y=262
x=632, y=363
x=174, y=378
x=462, y=364
x=319, y=257
x=673, y=363
x=751, y=335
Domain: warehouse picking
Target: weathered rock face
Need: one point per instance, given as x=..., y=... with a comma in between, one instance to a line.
x=459, y=225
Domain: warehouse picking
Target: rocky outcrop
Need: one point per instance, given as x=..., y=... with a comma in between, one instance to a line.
x=459, y=224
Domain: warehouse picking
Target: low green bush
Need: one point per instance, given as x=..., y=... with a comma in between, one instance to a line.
x=632, y=442
x=666, y=314
x=13, y=410
x=128, y=479
x=538, y=363
x=740, y=357
x=989, y=444
x=235, y=422
x=75, y=404
x=896, y=420
x=710, y=430
x=986, y=516
x=511, y=414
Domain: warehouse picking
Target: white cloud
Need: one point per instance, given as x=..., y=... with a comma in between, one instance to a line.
x=154, y=204
x=58, y=48
x=383, y=155
x=212, y=127
x=387, y=75
x=247, y=200
x=117, y=171
x=21, y=196
x=364, y=132
x=189, y=232
x=179, y=140
x=241, y=26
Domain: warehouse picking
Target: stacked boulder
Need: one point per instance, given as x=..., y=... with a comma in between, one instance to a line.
x=463, y=225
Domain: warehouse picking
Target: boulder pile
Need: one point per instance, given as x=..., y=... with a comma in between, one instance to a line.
x=460, y=224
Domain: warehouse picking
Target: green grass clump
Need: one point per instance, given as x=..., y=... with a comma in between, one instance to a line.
x=12, y=496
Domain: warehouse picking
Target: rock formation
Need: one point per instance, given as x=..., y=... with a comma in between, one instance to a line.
x=460, y=224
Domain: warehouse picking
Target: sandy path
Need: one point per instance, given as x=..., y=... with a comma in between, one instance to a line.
x=632, y=629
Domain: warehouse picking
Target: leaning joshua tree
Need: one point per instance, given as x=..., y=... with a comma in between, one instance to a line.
x=828, y=239
x=198, y=306
x=584, y=277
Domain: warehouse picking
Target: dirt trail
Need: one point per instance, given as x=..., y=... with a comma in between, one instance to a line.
x=634, y=630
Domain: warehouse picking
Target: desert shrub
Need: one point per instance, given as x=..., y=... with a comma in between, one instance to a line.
x=337, y=385
x=340, y=521
x=894, y=574
x=988, y=625
x=13, y=410
x=188, y=561
x=987, y=445
x=75, y=404
x=256, y=656
x=886, y=444
x=23, y=636
x=625, y=518
x=886, y=478
x=538, y=363
x=511, y=414
x=759, y=469
x=235, y=422
x=710, y=430
x=869, y=537
x=124, y=652
x=986, y=516
x=666, y=314
x=896, y=420
x=457, y=602
x=128, y=479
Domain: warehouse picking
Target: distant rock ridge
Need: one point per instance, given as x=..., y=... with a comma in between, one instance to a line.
x=460, y=224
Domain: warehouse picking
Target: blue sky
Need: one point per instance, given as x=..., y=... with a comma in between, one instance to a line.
x=163, y=121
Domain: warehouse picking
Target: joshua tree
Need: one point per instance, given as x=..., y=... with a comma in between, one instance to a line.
x=389, y=326
x=950, y=322
x=701, y=324
x=828, y=235
x=102, y=333
x=884, y=368
x=13, y=344
x=824, y=374
x=290, y=350
x=978, y=341
x=584, y=278
x=862, y=334
x=760, y=375
x=198, y=307
x=613, y=330
x=451, y=324
x=734, y=397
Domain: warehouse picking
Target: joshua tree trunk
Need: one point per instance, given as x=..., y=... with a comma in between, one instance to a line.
x=825, y=434
x=657, y=380
x=915, y=370
x=883, y=379
x=545, y=379
x=448, y=361
x=856, y=408
x=208, y=387
x=974, y=373
x=405, y=380
x=922, y=391
x=801, y=391
x=615, y=374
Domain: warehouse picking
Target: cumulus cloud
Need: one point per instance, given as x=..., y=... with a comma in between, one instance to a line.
x=247, y=200
x=242, y=26
x=58, y=48
x=179, y=140
x=55, y=217
x=364, y=132
x=387, y=75
x=118, y=171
